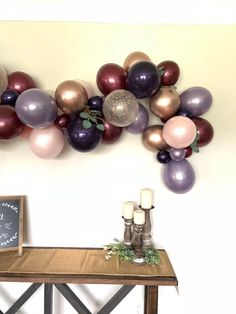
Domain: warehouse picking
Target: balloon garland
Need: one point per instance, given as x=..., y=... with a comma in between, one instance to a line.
x=74, y=113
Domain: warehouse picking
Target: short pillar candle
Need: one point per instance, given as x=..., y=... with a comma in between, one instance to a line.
x=128, y=210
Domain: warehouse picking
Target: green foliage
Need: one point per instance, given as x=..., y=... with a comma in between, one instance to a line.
x=92, y=117
x=126, y=254
x=194, y=144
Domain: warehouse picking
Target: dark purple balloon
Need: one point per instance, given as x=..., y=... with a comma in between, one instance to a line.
x=140, y=123
x=183, y=112
x=143, y=79
x=163, y=157
x=81, y=139
x=197, y=100
x=95, y=103
x=9, y=97
x=179, y=176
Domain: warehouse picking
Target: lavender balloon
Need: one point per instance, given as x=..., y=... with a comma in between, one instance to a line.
x=179, y=176
x=36, y=108
x=177, y=154
x=197, y=100
x=140, y=123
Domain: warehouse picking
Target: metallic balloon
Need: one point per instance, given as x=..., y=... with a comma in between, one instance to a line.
x=120, y=108
x=111, y=77
x=36, y=108
x=170, y=72
x=46, y=143
x=3, y=80
x=80, y=138
x=95, y=103
x=143, y=79
x=177, y=154
x=153, y=138
x=165, y=103
x=71, y=97
x=204, y=130
x=9, y=97
x=111, y=133
x=163, y=157
x=10, y=124
x=20, y=81
x=133, y=58
x=140, y=123
x=62, y=121
x=179, y=176
x=179, y=132
x=188, y=151
x=197, y=100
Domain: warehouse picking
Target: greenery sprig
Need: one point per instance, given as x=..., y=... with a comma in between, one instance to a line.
x=91, y=117
x=125, y=254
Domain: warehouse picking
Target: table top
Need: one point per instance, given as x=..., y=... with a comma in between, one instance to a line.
x=79, y=265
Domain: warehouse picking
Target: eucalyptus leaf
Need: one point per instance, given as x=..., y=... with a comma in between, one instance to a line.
x=87, y=124
x=93, y=119
x=84, y=115
x=100, y=127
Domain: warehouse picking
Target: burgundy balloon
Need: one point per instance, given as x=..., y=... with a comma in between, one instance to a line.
x=188, y=151
x=110, y=77
x=20, y=81
x=111, y=133
x=204, y=130
x=171, y=72
x=10, y=124
x=63, y=121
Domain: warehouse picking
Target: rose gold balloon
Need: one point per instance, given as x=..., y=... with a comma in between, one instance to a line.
x=26, y=133
x=71, y=97
x=153, y=139
x=47, y=143
x=179, y=132
x=133, y=58
x=165, y=103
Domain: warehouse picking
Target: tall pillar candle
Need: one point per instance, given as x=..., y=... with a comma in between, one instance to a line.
x=146, y=198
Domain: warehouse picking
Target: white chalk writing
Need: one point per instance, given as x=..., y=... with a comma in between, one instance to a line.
x=15, y=209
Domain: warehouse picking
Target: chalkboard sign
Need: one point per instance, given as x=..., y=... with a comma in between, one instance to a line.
x=11, y=223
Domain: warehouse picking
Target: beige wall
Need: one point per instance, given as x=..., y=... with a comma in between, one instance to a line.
x=76, y=191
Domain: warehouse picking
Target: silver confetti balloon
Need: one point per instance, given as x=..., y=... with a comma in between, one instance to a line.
x=120, y=107
x=3, y=80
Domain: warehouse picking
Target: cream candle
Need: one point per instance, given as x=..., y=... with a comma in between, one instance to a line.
x=146, y=198
x=139, y=217
x=128, y=210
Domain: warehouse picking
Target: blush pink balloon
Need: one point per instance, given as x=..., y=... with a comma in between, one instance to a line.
x=179, y=132
x=47, y=143
x=88, y=87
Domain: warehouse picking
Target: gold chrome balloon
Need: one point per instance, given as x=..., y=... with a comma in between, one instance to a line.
x=153, y=138
x=165, y=102
x=133, y=58
x=71, y=97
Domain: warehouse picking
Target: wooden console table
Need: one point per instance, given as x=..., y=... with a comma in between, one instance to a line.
x=60, y=266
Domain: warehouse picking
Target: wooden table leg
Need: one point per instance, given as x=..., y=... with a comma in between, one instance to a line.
x=48, y=298
x=151, y=300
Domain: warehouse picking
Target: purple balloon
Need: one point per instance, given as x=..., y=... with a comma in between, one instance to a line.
x=177, y=154
x=143, y=79
x=140, y=123
x=36, y=108
x=80, y=138
x=196, y=100
x=179, y=176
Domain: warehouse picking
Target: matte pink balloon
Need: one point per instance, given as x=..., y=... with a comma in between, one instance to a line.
x=47, y=143
x=88, y=87
x=179, y=132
